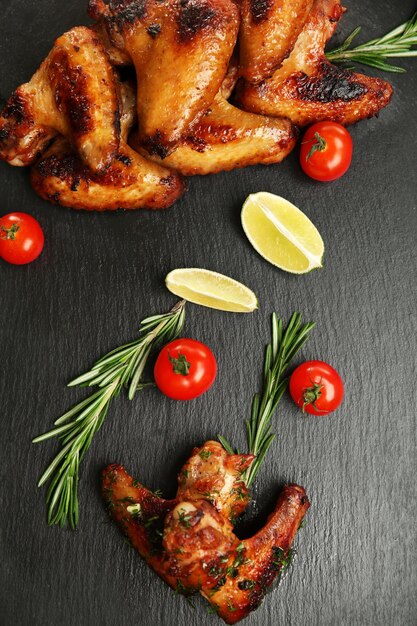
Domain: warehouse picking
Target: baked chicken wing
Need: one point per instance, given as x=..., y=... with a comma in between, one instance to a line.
x=226, y=138
x=268, y=32
x=190, y=542
x=307, y=88
x=131, y=182
x=74, y=94
x=180, y=50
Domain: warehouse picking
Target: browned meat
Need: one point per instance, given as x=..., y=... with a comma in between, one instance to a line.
x=181, y=50
x=74, y=93
x=131, y=182
x=226, y=138
x=184, y=56
x=307, y=88
x=212, y=474
x=268, y=32
x=190, y=542
x=255, y=563
x=117, y=57
x=140, y=515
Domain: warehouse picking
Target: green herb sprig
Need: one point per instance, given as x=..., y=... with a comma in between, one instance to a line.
x=285, y=344
x=123, y=367
x=398, y=43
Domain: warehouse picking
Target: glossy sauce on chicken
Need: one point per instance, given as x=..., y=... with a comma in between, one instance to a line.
x=190, y=541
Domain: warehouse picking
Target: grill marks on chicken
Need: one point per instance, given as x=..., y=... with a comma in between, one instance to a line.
x=74, y=93
x=190, y=541
x=307, y=88
x=180, y=50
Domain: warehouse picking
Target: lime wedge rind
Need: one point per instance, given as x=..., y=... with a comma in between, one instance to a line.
x=193, y=284
x=261, y=241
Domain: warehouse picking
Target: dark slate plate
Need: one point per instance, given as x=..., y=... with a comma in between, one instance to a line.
x=100, y=274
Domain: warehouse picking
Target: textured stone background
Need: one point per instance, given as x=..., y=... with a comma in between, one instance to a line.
x=100, y=274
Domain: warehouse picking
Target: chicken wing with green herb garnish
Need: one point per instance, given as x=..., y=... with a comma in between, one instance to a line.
x=190, y=541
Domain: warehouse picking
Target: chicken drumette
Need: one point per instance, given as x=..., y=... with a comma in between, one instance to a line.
x=190, y=542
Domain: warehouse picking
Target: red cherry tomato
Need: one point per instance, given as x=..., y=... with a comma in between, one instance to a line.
x=326, y=151
x=185, y=369
x=21, y=238
x=316, y=387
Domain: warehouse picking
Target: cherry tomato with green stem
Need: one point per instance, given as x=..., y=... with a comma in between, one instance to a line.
x=21, y=238
x=316, y=387
x=326, y=151
x=185, y=369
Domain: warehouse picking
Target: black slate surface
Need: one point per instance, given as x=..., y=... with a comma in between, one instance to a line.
x=100, y=274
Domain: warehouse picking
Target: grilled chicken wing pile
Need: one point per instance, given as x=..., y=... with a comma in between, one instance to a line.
x=190, y=542
x=218, y=85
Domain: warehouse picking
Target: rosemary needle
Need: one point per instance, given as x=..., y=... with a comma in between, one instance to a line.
x=123, y=367
x=398, y=43
x=285, y=344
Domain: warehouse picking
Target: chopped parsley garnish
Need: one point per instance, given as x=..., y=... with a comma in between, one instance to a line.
x=184, y=518
x=282, y=561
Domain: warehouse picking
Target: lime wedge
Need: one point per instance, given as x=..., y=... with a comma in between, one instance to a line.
x=281, y=233
x=211, y=289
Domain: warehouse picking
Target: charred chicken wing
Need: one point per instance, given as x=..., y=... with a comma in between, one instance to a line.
x=226, y=137
x=190, y=542
x=181, y=50
x=191, y=116
x=131, y=182
x=268, y=32
x=307, y=88
x=74, y=93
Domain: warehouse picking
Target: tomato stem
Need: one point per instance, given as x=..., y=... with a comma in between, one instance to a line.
x=319, y=145
x=10, y=232
x=180, y=365
x=311, y=395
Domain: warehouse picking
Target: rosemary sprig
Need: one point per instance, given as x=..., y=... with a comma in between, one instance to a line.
x=397, y=43
x=123, y=367
x=285, y=344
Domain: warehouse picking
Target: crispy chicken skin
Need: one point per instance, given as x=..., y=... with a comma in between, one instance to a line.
x=180, y=50
x=131, y=182
x=212, y=474
x=143, y=524
x=268, y=32
x=74, y=93
x=190, y=542
x=226, y=138
x=191, y=118
x=117, y=57
x=307, y=88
